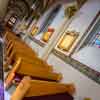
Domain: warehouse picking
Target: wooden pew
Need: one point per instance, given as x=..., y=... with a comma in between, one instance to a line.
x=17, y=49
x=23, y=67
x=58, y=96
x=12, y=43
x=19, y=44
x=36, y=88
x=17, y=52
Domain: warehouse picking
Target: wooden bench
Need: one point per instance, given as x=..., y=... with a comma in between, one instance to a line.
x=42, y=89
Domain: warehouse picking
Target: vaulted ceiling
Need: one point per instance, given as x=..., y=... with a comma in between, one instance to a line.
x=22, y=7
x=19, y=7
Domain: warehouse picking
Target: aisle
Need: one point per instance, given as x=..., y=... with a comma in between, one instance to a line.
x=85, y=87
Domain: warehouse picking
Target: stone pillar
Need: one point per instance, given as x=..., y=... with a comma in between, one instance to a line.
x=3, y=7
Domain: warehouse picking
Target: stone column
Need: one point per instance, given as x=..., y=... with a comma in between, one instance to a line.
x=3, y=7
